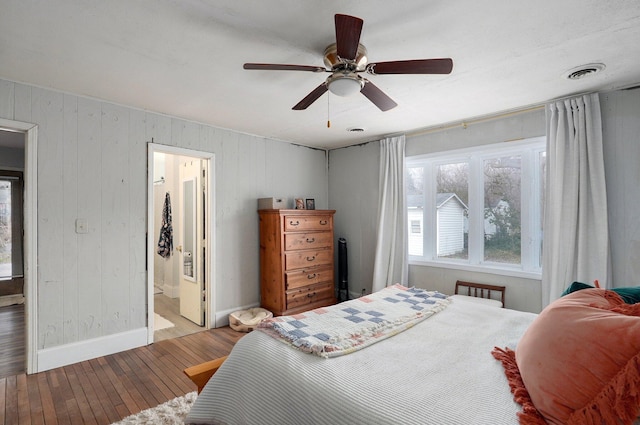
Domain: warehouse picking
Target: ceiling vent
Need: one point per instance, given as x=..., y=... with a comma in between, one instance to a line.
x=584, y=71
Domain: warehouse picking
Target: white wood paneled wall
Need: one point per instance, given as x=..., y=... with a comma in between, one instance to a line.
x=92, y=165
x=621, y=135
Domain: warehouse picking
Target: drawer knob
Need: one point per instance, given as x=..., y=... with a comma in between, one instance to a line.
x=311, y=276
x=324, y=222
x=311, y=258
x=292, y=223
x=311, y=240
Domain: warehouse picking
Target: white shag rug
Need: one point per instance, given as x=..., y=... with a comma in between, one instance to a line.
x=172, y=412
x=160, y=322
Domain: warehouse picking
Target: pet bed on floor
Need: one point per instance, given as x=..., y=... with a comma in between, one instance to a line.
x=247, y=320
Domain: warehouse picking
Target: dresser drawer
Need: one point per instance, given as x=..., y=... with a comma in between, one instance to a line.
x=310, y=276
x=300, y=222
x=309, y=295
x=300, y=259
x=311, y=240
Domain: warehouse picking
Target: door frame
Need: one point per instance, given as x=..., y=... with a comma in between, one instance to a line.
x=210, y=221
x=30, y=242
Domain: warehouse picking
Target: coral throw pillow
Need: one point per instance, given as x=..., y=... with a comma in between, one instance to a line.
x=578, y=362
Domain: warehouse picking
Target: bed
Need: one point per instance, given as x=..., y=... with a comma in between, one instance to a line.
x=437, y=371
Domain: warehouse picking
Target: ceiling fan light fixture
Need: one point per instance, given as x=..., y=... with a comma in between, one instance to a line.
x=344, y=85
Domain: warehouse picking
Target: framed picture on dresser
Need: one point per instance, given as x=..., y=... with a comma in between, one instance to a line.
x=311, y=204
x=299, y=203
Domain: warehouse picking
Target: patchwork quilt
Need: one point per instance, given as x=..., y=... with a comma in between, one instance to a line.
x=352, y=325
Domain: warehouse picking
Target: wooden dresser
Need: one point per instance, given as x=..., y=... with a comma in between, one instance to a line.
x=296, y=260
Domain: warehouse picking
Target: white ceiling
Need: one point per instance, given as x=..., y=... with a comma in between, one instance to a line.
x=184, y=58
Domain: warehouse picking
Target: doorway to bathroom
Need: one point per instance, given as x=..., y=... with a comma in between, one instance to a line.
x=180, y=260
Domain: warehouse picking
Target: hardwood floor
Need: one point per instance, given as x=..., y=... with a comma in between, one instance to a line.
x=109, y=388
x=169, y=308
x=12, y=331
x=12, y=343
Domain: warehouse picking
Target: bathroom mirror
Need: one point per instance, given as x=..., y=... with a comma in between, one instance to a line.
x=189, y=228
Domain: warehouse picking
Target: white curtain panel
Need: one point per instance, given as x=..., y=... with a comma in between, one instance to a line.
x=576, y=232
x=391, y=265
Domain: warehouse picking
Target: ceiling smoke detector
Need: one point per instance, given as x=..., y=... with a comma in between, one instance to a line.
x=584, y=71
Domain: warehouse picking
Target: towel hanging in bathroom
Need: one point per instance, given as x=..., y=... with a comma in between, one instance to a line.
x=165, y=243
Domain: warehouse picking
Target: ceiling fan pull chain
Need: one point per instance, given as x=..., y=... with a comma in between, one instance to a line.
x=328, y=120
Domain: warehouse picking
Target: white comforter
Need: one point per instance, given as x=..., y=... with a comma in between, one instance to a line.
x=440, y=372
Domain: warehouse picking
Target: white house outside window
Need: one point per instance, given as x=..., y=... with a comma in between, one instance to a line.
x=416, y=226
x=478, y=208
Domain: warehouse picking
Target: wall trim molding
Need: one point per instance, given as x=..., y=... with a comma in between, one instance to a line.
x=63, y=355
x=30, y=243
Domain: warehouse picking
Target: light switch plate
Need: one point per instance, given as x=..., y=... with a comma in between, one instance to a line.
x=82, y=225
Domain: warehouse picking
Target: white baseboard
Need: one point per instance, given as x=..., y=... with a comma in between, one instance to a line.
x=62, y=355
x=353, y=295
x=222, y=317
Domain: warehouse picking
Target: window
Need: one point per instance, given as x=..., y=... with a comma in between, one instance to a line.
x=478, y=208
x=11, y=188
x=5, y=229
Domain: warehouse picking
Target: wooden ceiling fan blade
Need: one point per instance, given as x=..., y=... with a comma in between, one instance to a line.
x=416, y=66
x=311, y=97
x=348, y=29
x=377, y=97
x=283, y=67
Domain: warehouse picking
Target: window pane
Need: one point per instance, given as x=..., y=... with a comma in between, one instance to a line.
x=502, y=209
x=452, y=198
x=415, y=206
x=5, y=229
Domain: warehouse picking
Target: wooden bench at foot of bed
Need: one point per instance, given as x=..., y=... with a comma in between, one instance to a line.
x=201, y=373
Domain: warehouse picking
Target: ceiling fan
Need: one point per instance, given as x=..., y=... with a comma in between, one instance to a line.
x=347, y=58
